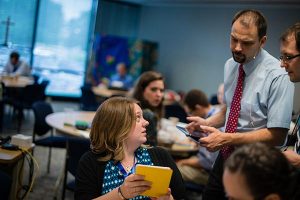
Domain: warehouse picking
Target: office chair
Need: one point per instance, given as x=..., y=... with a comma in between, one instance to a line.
x=1, y=112
x=25, y=100
x=151, y=129
x=214, y=100
x=41, y=109
x=6, y=99
x=176, y=110
x=76, y=147
x=193, y=188
x=5, y=182
x=88, y=100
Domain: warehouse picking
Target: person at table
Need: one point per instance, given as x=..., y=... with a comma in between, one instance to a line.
x=16, y=67
x=259, y=171
x=196, y=168
x=149, y=91
x=290, y=60
x=220, y=94
x=107, y=171
x=258, y=98
x=121, y=79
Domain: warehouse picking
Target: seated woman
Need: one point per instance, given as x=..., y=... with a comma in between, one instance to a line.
x=149, y=91
x=258, y=171
x=107, y=172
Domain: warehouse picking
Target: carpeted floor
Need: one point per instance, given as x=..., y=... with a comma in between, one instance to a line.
x=45, y=185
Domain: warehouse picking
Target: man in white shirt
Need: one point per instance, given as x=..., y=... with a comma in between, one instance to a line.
x=15, y=66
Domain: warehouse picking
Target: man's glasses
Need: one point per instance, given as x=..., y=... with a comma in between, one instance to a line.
x=287, y=58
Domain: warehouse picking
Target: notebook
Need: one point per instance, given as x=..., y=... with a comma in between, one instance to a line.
x=160, y=178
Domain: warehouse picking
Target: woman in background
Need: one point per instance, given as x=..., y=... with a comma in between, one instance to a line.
x=149, y=91
x=107, y=172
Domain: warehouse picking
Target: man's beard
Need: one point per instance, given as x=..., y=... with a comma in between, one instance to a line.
x=238, y=57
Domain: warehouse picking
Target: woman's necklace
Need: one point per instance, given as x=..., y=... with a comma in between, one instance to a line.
x=128, y=167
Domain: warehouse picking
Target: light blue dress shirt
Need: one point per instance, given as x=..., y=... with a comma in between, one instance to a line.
x=23, y=69
x=267, y=99
x=207, y=158
x=121, y=81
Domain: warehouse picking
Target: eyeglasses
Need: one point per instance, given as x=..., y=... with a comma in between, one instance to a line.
x=287, y=58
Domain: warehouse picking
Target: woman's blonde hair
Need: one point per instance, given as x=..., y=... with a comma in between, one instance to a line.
x=111, y=126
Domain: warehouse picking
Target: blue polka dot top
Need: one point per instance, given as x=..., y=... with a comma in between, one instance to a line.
x=113, y=177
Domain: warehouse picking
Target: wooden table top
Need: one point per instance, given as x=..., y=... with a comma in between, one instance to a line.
x=10, y=156
x=59, y=120
x=105, y=92
x=180, y=150
x=16, y=81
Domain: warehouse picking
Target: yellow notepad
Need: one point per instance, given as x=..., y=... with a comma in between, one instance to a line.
x=159, y=177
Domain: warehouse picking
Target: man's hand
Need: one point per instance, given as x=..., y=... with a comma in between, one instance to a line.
x=195, y=123
x=292, y=157
x=215, y=139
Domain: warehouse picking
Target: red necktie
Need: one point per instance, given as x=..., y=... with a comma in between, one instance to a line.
x=234, y=112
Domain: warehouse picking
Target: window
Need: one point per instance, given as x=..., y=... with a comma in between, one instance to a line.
x=60, y=51
x=16, y=28
x=61, y=44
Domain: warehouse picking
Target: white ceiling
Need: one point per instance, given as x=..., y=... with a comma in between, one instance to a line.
x=199, y=2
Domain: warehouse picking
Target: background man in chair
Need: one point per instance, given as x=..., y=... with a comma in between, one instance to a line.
x=121, y=79
x=16, y=66
x=258, y=97
x=196, y=168
x=290, y=60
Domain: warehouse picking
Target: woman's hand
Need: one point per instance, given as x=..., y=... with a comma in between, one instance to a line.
x=134, y=185
x=168, y=196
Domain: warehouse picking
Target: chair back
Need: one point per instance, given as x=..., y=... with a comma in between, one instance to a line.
x=151, y=129
x=214, y=100
x=36, y=78
x=41, y=109
x=5, y=182
x=29, y=95
x=88, y=101
x=6, y=95
x=176, y=110
x=76, y=147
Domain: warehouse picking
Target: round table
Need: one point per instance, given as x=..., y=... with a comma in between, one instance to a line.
x=16, y=81
x=64, y=122
x=105, y=92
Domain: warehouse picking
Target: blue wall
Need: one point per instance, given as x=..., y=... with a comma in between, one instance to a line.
x=194, y=41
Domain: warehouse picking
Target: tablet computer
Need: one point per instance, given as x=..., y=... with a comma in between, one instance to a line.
x=195, y=136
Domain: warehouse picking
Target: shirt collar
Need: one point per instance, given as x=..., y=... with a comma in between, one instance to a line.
x=210, y=112
x=250, y=66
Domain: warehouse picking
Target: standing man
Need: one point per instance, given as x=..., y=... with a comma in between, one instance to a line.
x=15, y=66
x=290, y=60
x=258, y=98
